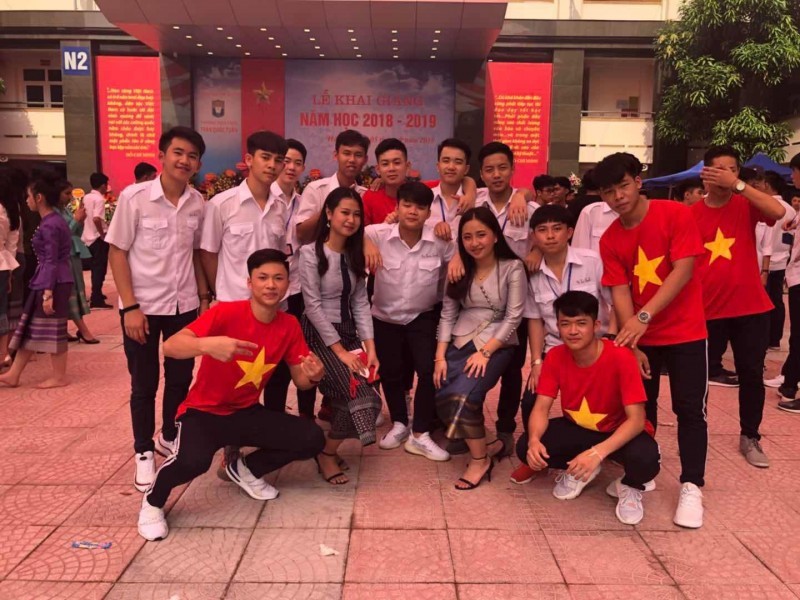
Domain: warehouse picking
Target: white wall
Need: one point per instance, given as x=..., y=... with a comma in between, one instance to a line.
x=12, y=63
x=614, y=79
x=594, y=10
x=48, y=5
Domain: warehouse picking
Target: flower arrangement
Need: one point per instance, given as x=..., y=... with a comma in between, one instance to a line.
x=214, y=183
x=313, y=175
x=110, y=206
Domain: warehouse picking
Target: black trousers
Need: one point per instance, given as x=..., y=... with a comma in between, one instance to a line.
x=280, y=439
x=564, y=440
x=278, y=385
x=688, y=383
x=717, y=344
x=99, y=250
x=144, y=369
x=395, y=344
x=777, y=315
x=791, y=368
x=749, y=337
x=511, y=384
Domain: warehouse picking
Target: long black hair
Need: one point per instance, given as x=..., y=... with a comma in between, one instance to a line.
x=9, y=198
x=50, y=186
x=354, y=246
x=502, y=251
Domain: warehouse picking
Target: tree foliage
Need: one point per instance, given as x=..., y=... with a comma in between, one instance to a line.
x=724, y=61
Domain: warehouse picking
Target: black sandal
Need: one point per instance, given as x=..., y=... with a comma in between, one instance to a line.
x=471, y=485
x=335, y=475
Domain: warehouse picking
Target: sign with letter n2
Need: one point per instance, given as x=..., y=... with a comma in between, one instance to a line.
x=76, y=60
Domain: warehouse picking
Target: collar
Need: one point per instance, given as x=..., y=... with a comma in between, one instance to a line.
x=573, y=258
x=157, y=192
x=606, y=207
x=427, y=233
x=243, y=194
x=276, y=191
x=437, y=192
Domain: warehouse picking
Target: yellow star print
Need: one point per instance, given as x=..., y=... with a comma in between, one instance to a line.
x=645, y=270
x=720, y=247
x=254, y=371
x=585, y=417
x=263, y=94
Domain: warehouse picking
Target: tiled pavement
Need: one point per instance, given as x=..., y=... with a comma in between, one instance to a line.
x=400, y=529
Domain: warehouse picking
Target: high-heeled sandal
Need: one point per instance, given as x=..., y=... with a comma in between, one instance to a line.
x=335, y=475
x=85, y=340
x=471, y=485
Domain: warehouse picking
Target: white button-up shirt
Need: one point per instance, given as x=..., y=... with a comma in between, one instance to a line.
x=583, y=271
x=780, y=251
x=411, y=280
x=440, y=212
x=314, y=194
x=95, y=204
x=592, y=224
x=160, y=239
x=235, y=226
x=519, y=237
x=291, y=245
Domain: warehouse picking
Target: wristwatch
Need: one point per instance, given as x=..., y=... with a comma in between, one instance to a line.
x=485, y=353
x=536, y=362
x=644, y=317
x=739, y=186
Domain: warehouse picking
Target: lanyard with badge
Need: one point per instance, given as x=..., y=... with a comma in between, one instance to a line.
x=441, y=206
x=569, y=281
x=289, y=251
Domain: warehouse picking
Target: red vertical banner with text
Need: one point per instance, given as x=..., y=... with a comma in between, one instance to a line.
x=263, y=100
x=518, y=114
x=128, y=114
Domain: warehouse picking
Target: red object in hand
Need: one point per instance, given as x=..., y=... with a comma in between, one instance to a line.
x=373, y=376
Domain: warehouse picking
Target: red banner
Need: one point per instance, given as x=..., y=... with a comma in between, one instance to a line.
x=262, y=97
x=518, y=114
x=129, y=115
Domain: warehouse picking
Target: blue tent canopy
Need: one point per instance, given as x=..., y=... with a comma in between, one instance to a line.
x=766, y=163
x=675, y=178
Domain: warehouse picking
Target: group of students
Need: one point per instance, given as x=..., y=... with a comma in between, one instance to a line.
x=463, y=282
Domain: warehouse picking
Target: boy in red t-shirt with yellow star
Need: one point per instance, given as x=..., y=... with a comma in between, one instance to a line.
x=241, y=344
x=603, y=401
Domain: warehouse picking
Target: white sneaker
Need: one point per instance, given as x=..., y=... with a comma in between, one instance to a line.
x=425, y=446
x=611, y=490
x=255, y=487
x=164, y=447
x=380, y=420
x=152, y=525
x=568, y=487
x=690, y=507
x=395, y=436
x=775, y=382
x=629, y=506
x=145, y=471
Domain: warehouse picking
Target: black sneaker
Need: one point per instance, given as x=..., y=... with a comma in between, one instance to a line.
x=792, y=406
x=723, y=381
x=100, y=305
x=728, y=372
x=786, y=393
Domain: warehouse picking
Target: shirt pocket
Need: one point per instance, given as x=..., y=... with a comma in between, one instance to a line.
x=155, y=232
x=241, y=241
x=430, y=270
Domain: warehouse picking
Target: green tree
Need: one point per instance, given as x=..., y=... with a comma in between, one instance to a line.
x=724, y=61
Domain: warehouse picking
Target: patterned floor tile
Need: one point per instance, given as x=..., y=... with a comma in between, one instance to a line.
x=209, y=502
x=619, y=558
x=489, y=507
x=398, y=469
x=56, y=560
x=304, y=474
x=65, y=469
x=700, y=557
x=737, y=592
x=399, y=591
x=482, y=556
x=751, y=510
x=512, y=591
x=190, y=556
x=164, y=591
x=659, y=510
x=313, y=508
x=721, y=473
x=41, y=505
x=284, y=591
x=102, y=440
x=30, y=440
x=20, y=541
x=114, y=505
x=381, y=556
x=778, y=550
x=294, y=556
x=398, y=508
x=53, y=590
x=629, y=592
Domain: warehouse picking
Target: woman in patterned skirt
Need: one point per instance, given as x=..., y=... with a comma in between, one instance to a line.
x=9, y=224
x=43, y=325
x=78, y=305
x=337, y=321
x=477, y=333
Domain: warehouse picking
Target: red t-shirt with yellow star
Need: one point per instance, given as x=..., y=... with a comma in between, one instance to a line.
x=642, y=257
x=729, y=269
x=594, y=397
x=377, y=206
x=222, y=388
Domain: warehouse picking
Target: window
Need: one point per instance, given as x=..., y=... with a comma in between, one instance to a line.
x=43, y=88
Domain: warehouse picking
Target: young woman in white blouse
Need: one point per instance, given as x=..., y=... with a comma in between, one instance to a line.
x=9, y=225
x=337, y=321
x=477, y=333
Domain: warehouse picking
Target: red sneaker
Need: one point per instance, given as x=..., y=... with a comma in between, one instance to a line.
x=522, y=474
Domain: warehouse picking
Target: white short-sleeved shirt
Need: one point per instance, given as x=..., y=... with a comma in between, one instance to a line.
x=592, y=224
x=763, y=243
x=160, y=240
x=291, y=245
x=440, y=212
x=780, y=251
x=95, y=204
x=314, y=194
x=583, y=271
x=411, y=280
x=235, y=226
x=519, y=237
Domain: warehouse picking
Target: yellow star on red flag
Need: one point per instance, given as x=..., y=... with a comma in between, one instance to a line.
x=585, y=417
x=645, y=270
x=254, y=370
x=720, y=247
